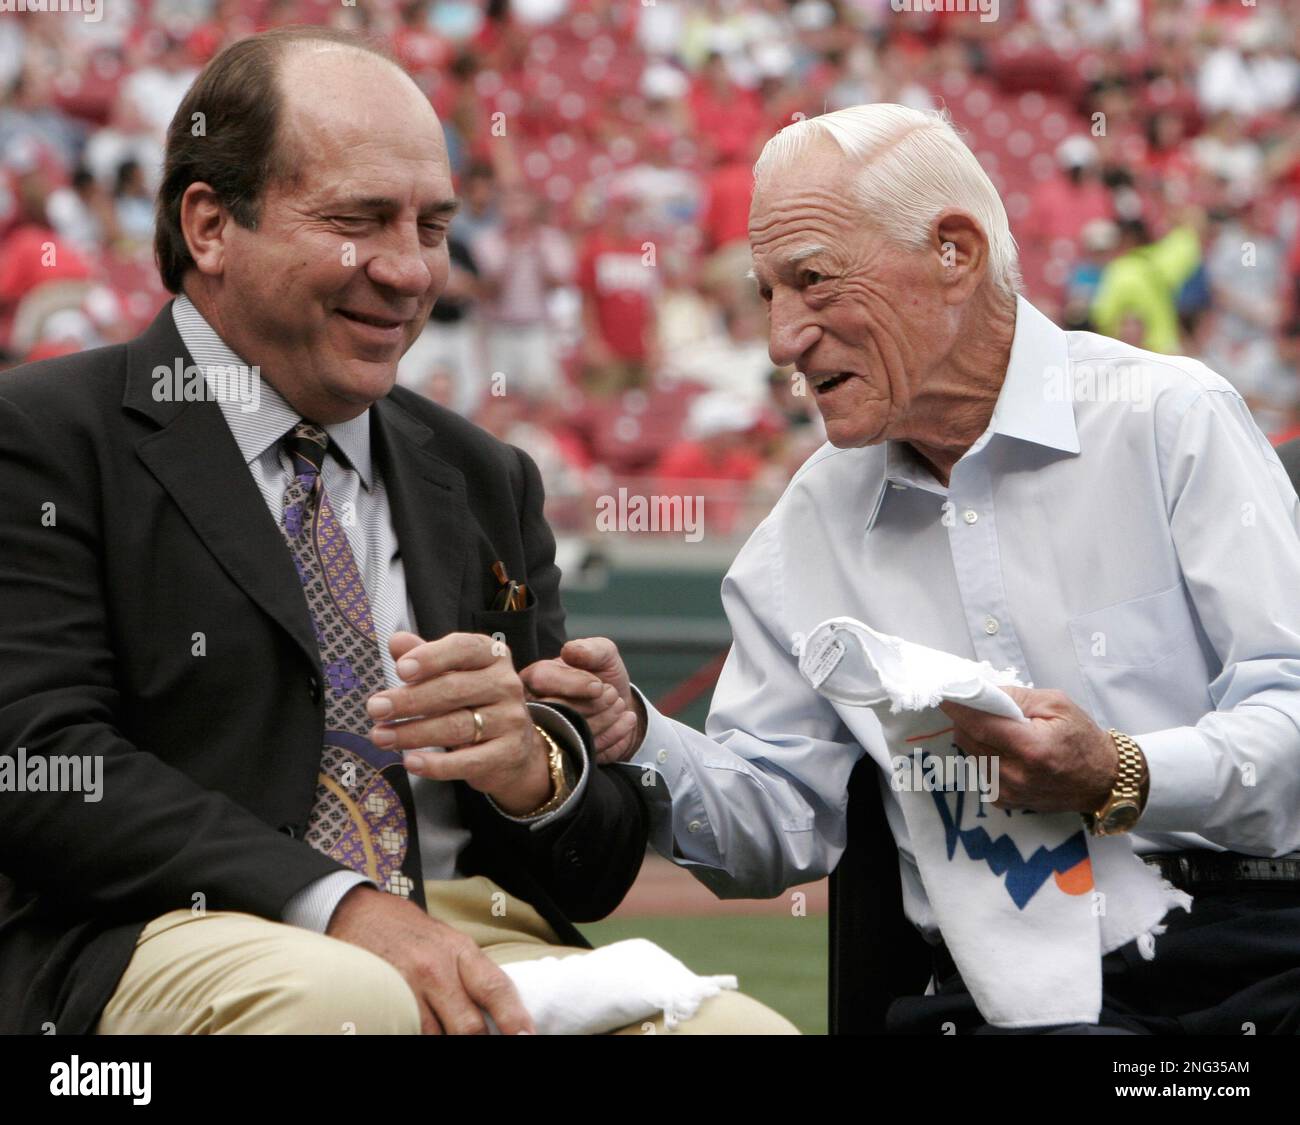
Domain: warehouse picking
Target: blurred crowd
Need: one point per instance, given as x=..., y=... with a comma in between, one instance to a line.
x=598, y=313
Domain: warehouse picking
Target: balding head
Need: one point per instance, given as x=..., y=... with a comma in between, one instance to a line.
x=319, y=259
x=227, y=131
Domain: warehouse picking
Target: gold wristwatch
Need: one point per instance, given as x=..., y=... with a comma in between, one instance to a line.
x=560, y=783
x=1120, y=811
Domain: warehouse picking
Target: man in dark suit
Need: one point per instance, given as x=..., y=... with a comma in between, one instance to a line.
x=203, y=793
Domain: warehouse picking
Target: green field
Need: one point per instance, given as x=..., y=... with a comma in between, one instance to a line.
x=779, y=960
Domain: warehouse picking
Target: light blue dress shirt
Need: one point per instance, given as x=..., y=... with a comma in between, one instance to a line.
x=1122, y=532
x=356, y=491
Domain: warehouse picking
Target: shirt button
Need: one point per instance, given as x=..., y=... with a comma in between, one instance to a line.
x=694, y=826
x=662, y=756
x=970, y=515
x=990, y=625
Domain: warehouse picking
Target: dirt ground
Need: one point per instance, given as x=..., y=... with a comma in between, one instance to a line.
x=664, y=888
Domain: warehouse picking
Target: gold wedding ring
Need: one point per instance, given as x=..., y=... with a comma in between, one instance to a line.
x=478, y=727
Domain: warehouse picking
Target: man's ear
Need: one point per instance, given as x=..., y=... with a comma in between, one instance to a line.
x=204, y=223
x=963, y=252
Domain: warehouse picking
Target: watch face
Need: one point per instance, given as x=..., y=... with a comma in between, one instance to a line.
x=1120, y=818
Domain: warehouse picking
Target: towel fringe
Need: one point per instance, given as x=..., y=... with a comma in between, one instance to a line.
x=1146, y=942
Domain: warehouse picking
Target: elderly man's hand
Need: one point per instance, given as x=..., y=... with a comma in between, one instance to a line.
x=452, y=979
x=1059, y=761
x=590, y=678
x=447, y=680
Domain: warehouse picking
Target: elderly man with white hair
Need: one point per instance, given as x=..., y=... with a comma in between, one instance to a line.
x=1047, y=582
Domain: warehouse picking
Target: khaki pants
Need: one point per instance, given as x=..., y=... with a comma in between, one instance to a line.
x=237, y=973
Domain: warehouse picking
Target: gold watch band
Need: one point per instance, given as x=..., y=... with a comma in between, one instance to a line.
x=1123, y=805
x=1132, y=767
x=560, y=784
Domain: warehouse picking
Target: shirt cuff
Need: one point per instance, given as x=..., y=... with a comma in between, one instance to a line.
x=313, y=906
x=680, y=828
x=1181, y=785
x=569, y=741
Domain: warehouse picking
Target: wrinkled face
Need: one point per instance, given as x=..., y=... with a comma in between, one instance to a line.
x=347, y=260
x=862, y=318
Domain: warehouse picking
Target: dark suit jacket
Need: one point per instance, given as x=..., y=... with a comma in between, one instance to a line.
x=127, y=527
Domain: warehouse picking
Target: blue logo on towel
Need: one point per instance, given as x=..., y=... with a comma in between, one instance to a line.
x=1024, y=876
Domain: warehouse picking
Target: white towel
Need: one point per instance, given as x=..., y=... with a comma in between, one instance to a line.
x=1026, y=902
x=608, y=988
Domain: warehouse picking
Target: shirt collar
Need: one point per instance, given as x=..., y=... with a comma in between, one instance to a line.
x=256, y=431
x=1031, y=405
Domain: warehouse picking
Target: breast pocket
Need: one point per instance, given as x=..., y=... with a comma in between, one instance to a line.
x=1142, y=663
x=516, y=628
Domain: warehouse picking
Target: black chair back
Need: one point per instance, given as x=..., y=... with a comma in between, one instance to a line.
x=876, y=954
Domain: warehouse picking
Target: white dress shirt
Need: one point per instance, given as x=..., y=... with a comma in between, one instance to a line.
x=1141, y=556
x=356, y=491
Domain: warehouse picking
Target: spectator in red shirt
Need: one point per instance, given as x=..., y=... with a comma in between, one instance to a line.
x=716, y=450
x=728, y=189
x=619, y=280
x=32, y=255
x=520, y=264
x=1063, y=205
x=725, y=115
x=1168, y=159
x=419, y=48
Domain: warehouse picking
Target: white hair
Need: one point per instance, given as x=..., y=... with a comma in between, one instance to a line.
x=914, y=165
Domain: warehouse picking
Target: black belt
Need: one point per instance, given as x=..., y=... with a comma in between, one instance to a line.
x=1190, y=871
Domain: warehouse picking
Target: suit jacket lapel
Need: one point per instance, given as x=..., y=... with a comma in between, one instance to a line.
x=430, y=516
x=194, y=457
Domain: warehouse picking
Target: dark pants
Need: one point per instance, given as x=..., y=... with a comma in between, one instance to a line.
x=1230, y=967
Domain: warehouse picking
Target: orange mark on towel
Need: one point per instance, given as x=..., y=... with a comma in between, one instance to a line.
x=1076, y=881
x=932, y=734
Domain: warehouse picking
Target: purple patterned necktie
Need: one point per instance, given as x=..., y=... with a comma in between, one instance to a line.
x=363, y=815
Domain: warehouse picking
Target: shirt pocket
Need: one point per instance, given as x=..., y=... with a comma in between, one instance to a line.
x=1141, y=661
